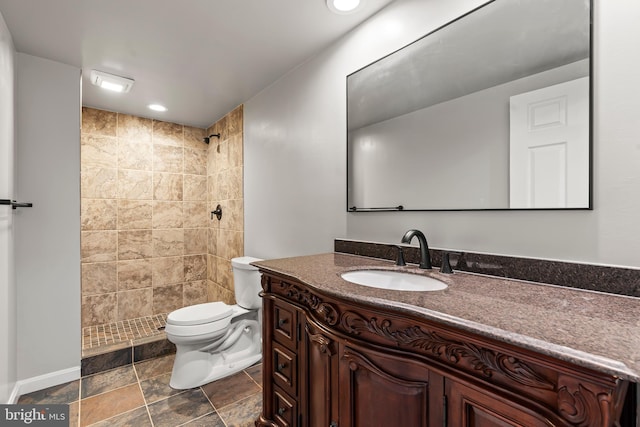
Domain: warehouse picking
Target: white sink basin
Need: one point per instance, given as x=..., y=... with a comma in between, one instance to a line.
x=393, y=280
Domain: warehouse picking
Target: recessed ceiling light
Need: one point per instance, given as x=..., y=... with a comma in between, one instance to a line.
x=111, y=81
x=157, y=107
x=343, y=7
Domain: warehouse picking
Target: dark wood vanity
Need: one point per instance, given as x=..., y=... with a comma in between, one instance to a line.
x=334, y=357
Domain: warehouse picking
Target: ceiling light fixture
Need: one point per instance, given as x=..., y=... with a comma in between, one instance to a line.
x=157, y=107
x=343, y=7
x=111, y=81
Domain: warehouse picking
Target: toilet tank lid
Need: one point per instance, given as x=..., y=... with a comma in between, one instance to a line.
x=244, y=262
x=200, y=313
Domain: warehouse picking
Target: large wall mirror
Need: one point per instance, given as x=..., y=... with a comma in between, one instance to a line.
x=489, y=112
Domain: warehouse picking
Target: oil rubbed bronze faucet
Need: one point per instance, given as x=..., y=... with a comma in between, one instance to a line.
x=425, y=257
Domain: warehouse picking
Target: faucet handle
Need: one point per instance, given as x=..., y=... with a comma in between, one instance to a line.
x=400, y=259
x=445, y=266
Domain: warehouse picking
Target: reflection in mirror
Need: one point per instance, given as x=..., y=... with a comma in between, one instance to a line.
x=491, y=111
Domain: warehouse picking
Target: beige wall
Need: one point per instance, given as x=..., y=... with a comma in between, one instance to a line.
x=147, y=240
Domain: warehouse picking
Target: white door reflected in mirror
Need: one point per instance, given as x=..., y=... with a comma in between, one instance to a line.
x=549, y=147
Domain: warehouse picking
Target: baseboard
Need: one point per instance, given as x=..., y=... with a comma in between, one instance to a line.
x=41, y=382
x=15, y=394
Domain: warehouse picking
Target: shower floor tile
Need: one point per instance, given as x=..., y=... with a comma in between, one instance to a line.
x=116, y=335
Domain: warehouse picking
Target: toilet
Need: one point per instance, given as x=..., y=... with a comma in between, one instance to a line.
x=215, y=340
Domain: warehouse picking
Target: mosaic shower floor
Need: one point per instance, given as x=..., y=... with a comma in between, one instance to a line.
x=126, y=333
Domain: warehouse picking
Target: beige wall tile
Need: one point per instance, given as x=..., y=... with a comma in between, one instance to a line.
x=98, y=182
x=167, y=271
x=135, y=244
x=195, y=188
x=99, y=214
x=234, y=183
x=167, y=186
x=135, y=303
x=222, y=186
x=224, y=276
x=212, y=190
x=212, y=158
x=235, y=151
x=135, y=185
x=222, y=156
x=99, y=122
x=222, y=127
x=134, y=214
x=135, y=129
x=212, y=241
x=218, y=293
x=167, y=298
x=235, y=218
x=134, y=274
x=99, y=309
x=166, y=133
x=194, y=293
x=195, y=268
x=168, y=159
x=134, y=155
x=195, y=161
x=167, y=214
x=98, y=246
x=235, y=121
x=193, y=137
x=99, y=278
x=98, y=150
x=230, y=244
x=196, y=214
x=212, y=268
x=195, y=241
x=168, y=242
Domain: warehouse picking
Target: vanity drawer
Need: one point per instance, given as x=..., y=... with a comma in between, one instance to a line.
x=285, y=409
x=284, y=368
x=285, y=324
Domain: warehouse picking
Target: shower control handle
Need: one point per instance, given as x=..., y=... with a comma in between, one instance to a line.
x=217, y=213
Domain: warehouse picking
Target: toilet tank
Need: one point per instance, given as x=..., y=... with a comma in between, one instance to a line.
x=246, y=281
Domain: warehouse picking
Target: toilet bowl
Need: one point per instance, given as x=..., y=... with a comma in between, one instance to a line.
x=215, y=340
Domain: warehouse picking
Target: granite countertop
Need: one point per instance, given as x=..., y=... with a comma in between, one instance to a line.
x=591, y=329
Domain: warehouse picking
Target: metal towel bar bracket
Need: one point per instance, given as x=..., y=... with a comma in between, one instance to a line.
x=14, y=204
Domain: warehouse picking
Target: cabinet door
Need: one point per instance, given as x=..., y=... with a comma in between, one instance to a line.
x=382, y=389
x=321, y=376
x=471, y=407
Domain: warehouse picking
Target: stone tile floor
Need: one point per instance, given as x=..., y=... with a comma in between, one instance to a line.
x=139, y=395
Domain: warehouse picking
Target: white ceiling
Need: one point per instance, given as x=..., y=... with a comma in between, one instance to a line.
x=199, y=58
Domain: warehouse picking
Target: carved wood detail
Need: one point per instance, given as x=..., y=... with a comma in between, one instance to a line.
x=324, y=343
x=581, y=405
x=325, y=310
x=483, y=360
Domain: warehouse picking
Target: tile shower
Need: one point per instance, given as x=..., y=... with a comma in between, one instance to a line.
x=148, y=243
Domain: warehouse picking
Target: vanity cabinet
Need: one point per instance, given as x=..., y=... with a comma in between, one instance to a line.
x=333, y=362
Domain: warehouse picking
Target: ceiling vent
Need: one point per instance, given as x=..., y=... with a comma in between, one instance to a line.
x=111, y=81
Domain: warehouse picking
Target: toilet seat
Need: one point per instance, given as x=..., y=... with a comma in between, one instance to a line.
x=199, y=314
x=201, y=319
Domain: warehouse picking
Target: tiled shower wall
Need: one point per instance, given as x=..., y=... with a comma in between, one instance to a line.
x=225, y=187
x=148, y=245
